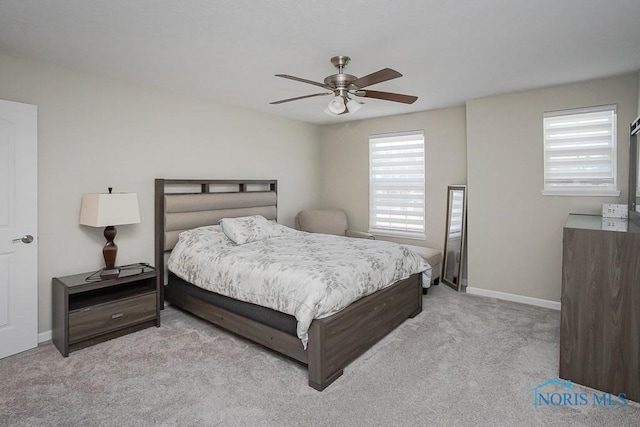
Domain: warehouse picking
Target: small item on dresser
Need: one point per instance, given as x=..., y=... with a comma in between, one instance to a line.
x=615, y=224
x=612, y=210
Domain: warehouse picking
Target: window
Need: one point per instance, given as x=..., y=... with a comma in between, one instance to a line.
x=396, y=184
x=580, y=152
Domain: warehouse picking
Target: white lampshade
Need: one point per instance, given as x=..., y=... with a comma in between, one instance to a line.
x=353, y=106
x=336, y=106
x=103, y=210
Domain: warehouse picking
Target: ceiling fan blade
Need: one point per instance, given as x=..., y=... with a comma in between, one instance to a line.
x=298, y=79
x=301, y=97
x=387, y=96
x=377, y=77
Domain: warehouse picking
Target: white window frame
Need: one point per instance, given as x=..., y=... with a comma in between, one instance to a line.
x=404, y=218
x=569, y=134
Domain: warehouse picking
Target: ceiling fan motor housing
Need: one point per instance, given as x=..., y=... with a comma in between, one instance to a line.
x=340, y=80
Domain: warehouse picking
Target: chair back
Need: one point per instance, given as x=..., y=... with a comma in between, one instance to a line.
x=326, y=221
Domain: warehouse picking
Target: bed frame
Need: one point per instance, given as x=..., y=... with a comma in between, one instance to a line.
x=334, y=341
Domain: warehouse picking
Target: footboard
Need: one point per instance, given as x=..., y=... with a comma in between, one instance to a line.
x=336, y=341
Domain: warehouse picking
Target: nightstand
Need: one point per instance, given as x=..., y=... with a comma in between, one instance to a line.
x=87, y=311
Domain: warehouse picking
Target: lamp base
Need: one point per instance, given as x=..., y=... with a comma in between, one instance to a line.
x=109, y=252
x=109, y=273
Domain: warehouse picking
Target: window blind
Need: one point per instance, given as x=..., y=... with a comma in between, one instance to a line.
x=580, y=150
x=396, y=185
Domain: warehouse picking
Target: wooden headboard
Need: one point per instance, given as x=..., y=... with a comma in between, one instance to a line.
x=182, y=204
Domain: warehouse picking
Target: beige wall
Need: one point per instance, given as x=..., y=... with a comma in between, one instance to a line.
x=344, y=165
x=515, y=233
x=94, y=133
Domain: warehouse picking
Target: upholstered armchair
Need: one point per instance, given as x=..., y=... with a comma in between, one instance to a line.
x=328, y=221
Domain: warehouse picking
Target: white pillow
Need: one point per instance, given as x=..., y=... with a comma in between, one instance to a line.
x=246, y=229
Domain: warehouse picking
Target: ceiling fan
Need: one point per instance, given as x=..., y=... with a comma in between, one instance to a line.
x=344, y=86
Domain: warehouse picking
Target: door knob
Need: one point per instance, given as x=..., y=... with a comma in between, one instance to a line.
x=28, y=238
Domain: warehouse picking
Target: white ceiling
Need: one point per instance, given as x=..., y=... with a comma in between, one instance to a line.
x=449, y=51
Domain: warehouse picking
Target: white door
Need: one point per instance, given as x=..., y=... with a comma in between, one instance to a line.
x=18, y=228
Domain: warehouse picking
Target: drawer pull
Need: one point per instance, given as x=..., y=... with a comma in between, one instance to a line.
x=116, y=316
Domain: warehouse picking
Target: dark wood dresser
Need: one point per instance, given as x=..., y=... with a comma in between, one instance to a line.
x=600, y=317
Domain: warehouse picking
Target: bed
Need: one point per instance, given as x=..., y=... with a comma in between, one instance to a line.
x=332, y=342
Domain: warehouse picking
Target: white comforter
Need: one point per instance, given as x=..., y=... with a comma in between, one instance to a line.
x=302, y=274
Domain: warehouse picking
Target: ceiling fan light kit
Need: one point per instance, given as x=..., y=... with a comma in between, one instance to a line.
x=343, y=86
x=353, y=106
x=337, y=105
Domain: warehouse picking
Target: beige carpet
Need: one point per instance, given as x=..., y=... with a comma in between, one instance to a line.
x=465, y=360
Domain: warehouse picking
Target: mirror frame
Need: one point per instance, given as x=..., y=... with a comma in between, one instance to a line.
x=463, y=237
x=634, y=173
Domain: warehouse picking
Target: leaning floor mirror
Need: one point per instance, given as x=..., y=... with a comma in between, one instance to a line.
x=455, y=237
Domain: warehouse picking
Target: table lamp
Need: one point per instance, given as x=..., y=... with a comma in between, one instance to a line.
x=108, y=210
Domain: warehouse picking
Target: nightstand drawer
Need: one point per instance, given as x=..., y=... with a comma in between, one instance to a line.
x=95, y=320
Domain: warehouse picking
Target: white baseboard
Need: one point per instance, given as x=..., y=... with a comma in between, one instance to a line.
x=514, y=297
x=44, y=336
x=47, y=335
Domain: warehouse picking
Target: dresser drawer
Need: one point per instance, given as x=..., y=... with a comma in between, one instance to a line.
x=95, y=320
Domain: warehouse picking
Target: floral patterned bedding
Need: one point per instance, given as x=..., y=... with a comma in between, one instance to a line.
x=302, y=274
